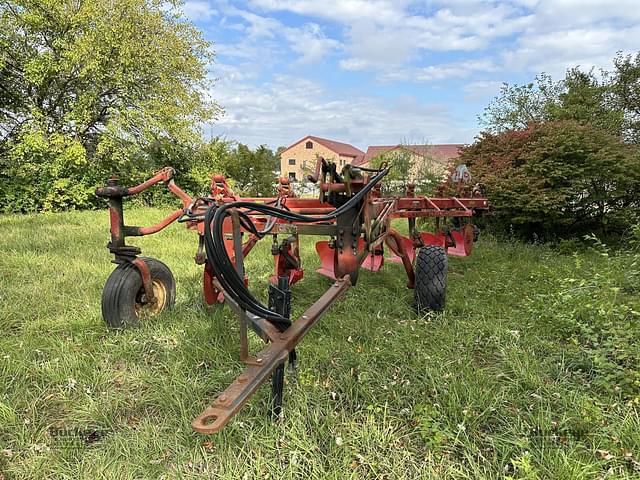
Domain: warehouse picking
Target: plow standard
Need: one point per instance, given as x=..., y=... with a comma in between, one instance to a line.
x=350, y=211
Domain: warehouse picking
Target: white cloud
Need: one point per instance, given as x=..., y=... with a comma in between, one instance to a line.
x=481, y=89
x=198, y=10
x=340, y=11
x=586, y=47
x=310, y=43
x=279, y=112
x=383, y=33
x=439, y=72
x=256, y=26
x=267, y=37
x=574, y=13
x=377, y=47
x=488, y=23
x=568, y=33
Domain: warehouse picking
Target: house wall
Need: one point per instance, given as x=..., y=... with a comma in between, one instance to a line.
x=306, y=159
x=343, y=160
x=435, y=164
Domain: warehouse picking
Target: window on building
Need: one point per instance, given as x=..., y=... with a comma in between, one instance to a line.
x=309, y=145
x=292, y=176
x=292, y=161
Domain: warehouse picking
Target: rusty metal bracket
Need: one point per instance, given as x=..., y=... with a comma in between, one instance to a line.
x=147, y=283
x=215, y=417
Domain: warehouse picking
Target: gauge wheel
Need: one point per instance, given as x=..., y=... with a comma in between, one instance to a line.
x=124, y=302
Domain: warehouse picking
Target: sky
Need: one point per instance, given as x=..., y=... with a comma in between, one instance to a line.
x=381, y=72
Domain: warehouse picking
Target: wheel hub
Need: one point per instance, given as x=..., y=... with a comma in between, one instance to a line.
x=143, y=307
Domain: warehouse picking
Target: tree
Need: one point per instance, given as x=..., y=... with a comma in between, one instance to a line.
x=581, y=96
x=397, y=179
x=253, y=172
x=410, y=164
x=120, y=84
x=558, y=178
x=626, y=88
x=519, y=105
x=207, y=159
x=587, y=100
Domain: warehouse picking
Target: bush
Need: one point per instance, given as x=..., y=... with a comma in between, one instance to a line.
x=53, y=173
x=253, y=172
x=410, y=165
x=46, y=174
x=595, y=314
x=558, y=179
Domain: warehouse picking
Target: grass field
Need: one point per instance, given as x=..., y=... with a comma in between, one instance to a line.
x=531, y=372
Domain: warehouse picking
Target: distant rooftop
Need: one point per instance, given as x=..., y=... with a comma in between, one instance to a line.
x=338, y=147
x=443, y=152
x=446, y=151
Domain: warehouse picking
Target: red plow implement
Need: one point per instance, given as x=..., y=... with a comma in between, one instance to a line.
x=353, y=219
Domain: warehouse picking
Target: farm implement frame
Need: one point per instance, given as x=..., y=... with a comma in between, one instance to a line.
x=350, y=210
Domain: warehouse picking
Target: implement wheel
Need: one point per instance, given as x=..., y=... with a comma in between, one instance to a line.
x=124, y=301
x=431, y=278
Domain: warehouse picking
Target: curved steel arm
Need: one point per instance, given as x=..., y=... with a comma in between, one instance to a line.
x=119, y=231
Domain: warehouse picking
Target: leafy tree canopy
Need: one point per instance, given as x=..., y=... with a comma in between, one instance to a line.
x=90, y=87
x=519, y=105
x=410, y=165
x=625, y=86
x=558, y=178
x=253, y=172
x=609, y=100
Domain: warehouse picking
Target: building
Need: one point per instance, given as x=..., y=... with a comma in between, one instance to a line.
x=442, y=154
x=422, y=158
x=299, y=159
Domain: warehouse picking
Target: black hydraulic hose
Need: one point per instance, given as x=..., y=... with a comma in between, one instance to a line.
x=220, y=261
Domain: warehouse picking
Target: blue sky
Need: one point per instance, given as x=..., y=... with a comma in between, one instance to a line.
x=382, y=71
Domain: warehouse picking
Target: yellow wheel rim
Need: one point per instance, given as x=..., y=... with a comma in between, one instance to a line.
x=150, y=309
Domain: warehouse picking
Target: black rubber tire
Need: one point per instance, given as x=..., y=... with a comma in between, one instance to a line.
x=431, y=279
x=123, y=294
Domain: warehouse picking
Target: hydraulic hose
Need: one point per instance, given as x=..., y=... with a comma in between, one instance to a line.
x=220, y=262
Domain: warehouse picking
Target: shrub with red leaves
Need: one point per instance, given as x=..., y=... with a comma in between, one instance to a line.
x=558, y=179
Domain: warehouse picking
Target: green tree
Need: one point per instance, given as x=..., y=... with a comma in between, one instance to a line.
x=581, y=96
x=253, y=172
x=410, y=164
x=209, y=158
x=626, y=90
x=558, y=178
x=121, y=84
x=519, y=105
x=586, y=99
x=399, y=176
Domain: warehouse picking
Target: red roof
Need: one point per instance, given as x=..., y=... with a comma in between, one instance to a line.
x=446, y=152
x=337, y=147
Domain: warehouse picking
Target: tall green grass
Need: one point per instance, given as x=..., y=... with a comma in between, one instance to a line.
x=531, y=372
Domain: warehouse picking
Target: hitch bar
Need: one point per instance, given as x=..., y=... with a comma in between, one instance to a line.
x=229, y=402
